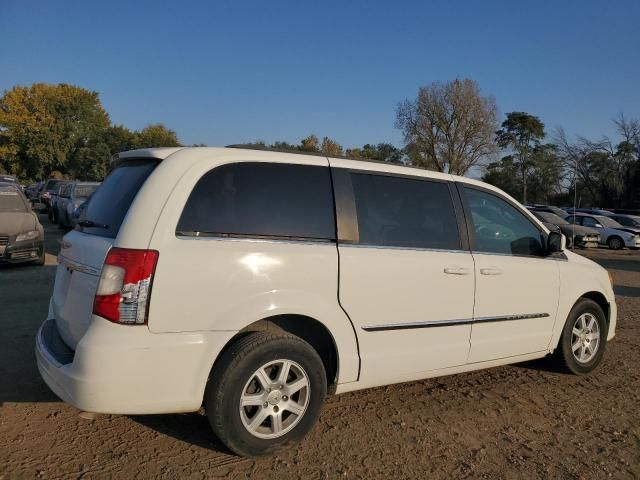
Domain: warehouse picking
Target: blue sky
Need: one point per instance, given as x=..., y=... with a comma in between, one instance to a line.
x=228, y=72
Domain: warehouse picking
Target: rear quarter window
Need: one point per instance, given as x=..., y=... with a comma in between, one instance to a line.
x=262, y=199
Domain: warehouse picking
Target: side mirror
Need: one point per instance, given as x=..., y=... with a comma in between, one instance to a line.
x=597, y=225
x=556, y=242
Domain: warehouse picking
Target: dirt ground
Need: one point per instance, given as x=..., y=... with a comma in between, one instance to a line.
x=520, y=421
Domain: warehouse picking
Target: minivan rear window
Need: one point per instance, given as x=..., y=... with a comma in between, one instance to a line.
x=110, y=203
x=262, y=199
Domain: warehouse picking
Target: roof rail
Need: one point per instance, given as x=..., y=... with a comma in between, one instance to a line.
x=266, y=148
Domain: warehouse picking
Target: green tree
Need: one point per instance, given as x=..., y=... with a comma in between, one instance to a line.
x=521, y=133
x=43, y=126
x=449, y=127
x=382, y=152
x=504, y=175
x=545, y=175
x=156, y=135
x=119, y=139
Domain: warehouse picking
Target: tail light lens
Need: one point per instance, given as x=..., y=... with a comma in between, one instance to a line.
x=124, y=289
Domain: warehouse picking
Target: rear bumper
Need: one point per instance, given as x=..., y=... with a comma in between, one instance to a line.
x=129, y=370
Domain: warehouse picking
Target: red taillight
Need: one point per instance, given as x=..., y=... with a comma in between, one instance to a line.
x=124, y=288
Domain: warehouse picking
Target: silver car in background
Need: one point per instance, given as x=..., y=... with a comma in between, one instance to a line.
x=577, y=235
x=612, y=234
x=73, y=195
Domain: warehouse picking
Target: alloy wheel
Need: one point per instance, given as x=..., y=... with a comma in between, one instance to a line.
x=274, y=399
x=585, y=337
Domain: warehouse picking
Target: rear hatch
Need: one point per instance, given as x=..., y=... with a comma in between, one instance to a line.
x=83, y=250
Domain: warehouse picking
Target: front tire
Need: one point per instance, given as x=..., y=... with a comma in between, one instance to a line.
x=265, y=392
x=615, y=243
x=41, y=258
x=584, y=338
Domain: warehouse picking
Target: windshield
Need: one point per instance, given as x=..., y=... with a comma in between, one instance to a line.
x=628, y=221
x=53, y=185
x=551, y=218
x=110, y=203
x=10, y=201
x=84, y=191
x=608, y=222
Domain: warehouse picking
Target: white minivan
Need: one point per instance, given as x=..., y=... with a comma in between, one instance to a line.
x=254, y=282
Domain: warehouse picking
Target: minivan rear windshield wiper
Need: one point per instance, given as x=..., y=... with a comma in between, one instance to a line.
x=92, y=224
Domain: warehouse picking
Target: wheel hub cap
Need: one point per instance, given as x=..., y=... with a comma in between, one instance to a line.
x=585, y=338
x=274, y=399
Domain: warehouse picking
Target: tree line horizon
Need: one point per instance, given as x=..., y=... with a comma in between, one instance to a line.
x=62, y=130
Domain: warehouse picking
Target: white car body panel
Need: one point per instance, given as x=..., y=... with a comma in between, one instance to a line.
x=513, y=286
x=206, y=290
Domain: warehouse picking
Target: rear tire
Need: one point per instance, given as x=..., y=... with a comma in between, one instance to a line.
x=615, y=243
x=252, y=370
x=584, y=338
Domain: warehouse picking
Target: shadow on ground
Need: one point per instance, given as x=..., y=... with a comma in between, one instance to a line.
x=192, y=428
x=626, y=291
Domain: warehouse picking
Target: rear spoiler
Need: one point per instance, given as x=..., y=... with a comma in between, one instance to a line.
x=152, y=153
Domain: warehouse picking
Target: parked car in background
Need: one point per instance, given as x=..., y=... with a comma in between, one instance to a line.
x=630, y=221
x=627, y=211
x=79, y=211
x=48, y=188
x=612, y=234
x=548, y=208
x=4, y=178
x=255, y=282
x=32, y=191
x=72, y=196
x=590, y=211
x=21, y=235
x=53, y=200
x=577, y=235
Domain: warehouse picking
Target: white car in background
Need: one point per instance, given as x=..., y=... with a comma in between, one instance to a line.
x=254, y=283
x=612, y=234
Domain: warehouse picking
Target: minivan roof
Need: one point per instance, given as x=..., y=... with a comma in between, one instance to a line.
x=240, y=153
x=179, y=159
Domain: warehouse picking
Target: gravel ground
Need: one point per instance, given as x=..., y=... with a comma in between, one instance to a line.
x=520, y=421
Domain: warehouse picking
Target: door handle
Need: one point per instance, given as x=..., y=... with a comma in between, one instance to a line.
x=490, y=271
x=456, y=270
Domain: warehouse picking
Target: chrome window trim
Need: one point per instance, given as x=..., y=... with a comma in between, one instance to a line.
x=388, y=247
x=451, y=323
x=555, y=257
x=255, y=239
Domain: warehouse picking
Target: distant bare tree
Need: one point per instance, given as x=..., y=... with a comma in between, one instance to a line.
x=449, y=127
x=606, y=170
x=331, y=148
